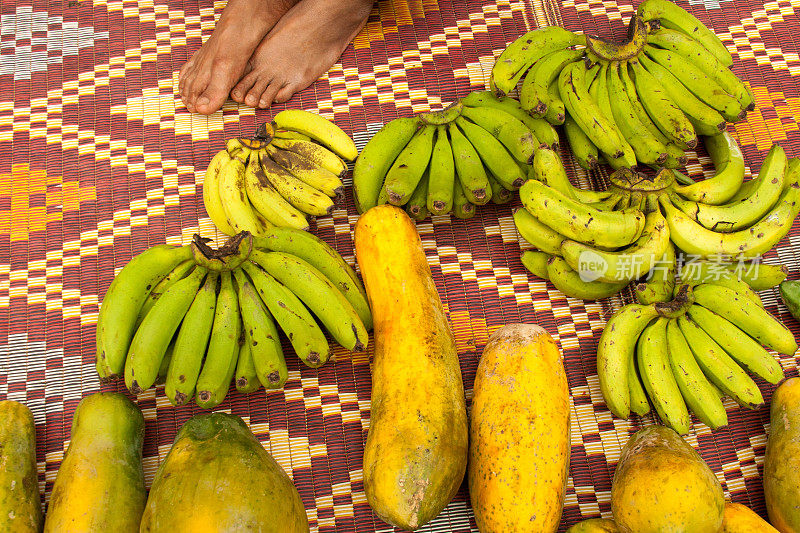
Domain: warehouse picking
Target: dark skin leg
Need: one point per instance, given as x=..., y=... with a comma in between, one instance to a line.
x=301, y=47
x=207, y=78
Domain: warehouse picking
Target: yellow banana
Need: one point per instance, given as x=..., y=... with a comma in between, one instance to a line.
x=729, y=164
x=211, y=199
x=267, y=201
x=307, y=171
x=318, y=128
x=233, y=194
x=298, y=193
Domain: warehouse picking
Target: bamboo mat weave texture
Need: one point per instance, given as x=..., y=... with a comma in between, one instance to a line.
x=99, y=160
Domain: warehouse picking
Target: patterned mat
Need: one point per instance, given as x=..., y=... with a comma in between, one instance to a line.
x=99, y=160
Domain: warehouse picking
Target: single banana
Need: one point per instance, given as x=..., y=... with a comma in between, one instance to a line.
x=580, y=222
x=556, y=110
x=602, y=50
x=211, y=199
x=759, y=276
x=223, y=347
x=317, y=154
x=739, y=345
x=294, y=318
x=603, y=99
x=625, y=265
x=548, y=169
x=298, y=193
x=469, y=169
x=494, y=155
x=416, y=206
x=536, y=262
x=518, y=56
x=534, y=95
x=652, y=354
x=441, y=175
x=661, y=281
x=748, y=187
x=673, y=16
x=693, y=51
x=245, y=378
x=177, y=273
x=485, y=99
x=614, y=351
x=291, y=135
x=569, y=282
x=500, y=195
x=638, y=394
x=581, y=146
x=408, y=168
x=748, y=243
x=753, y=320
x=662, y=109
x=443, y=116
x=700, y=395
x=727, y=279
x=701, y=85
x=539, y=235
x=267, y=201
x=729, y=164
x=319, y=295
x=512, y=133
x=156, y=331
x=318, y=128
x=462, y=207
x=321, y=256
x=377, y=158
x=233, y=194
x=306, y=170
x=117, y=319
x=190, y=343
x=718, y=367
x=744, y=213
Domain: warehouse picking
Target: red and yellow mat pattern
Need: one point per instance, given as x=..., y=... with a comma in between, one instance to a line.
x=100, y=160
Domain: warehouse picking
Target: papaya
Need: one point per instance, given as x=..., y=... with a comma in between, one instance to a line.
x=519, y=432
x=217, y=477
x=416, y=450
x=741, y=519
x=662, y=484
x=782, y=458
x=595, y=525
x=99, y=486
x=20, y=503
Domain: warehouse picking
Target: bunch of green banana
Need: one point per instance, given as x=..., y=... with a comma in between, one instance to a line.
x=198, y=318
x=290, y=170
x=475, y=151
x=688, y=353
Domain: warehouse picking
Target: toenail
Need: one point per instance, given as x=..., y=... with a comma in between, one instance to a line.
x=236, y=94
x=202, y=101
x=251, y=100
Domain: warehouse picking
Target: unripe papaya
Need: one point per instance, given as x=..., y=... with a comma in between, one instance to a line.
x=741, y=519
x=217, y=477
x=416, y=450
x=100, y=484
x=519, y=433
x=20, y=504
x=662, y=484
x=595, y=525
x=782, y=458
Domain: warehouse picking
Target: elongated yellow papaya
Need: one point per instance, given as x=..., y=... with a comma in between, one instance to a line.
x=519, y=433
x=741, y=519
x=782, y=458
x=20, y=504
x=416, y=450
x=99, y=487
x=218, y=478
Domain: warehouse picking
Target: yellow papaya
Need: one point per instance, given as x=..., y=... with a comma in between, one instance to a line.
x=782, y=458
x=519, y=433
x=100, y=483
x=741, y=519
x=218, y=478
x=595, y=525
x=662, y=484
x=416, y=450
x=20, y=503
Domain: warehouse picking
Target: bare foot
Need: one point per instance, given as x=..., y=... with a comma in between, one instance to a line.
x=301, y=47
x=206, y=79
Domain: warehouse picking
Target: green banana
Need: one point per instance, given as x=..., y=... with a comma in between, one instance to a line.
x=377, y=158
x=759, y=276
x=542, y=131
x=191, y=343
x=441, y=174
x=512, y=133
x=603, y=50
x=536, y=263
x=727, y=279
x=444, y=116
x=316, y=153
x=298, y=193
x=407, y=170
x=700, y=395
x=245, y=378
x=470, y=171
x=556, y=110
x=753, y=320
x=157, y=330
x=729, y=164
x=462, y=208
x=738, y=344
x=548, y=169
x=534, y=95
x=638, y=394
x=578, y=221
x=652, y=354
x=661, y=282
x=673, y=16
x=539, y=235
x=416, y=206
x=267, y=201
x=568, y=281
x=262, y=337
x=291, y=314
x=494, y=155
x=718, y=367
x=518, y=56
x=223, y=347
x=177, y=273
x=603, y=99
x=116, y=321
x=500, y=195
x=748, y=187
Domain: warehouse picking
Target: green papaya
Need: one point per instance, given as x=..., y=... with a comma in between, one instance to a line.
x=782, y=458
x=20, y=504
x=790, y=294
x=100, y=483
x=217, y=477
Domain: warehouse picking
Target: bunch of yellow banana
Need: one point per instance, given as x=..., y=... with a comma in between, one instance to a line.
x=688, y=353
x=197, y=318
x=641, y=101
x=475, y=151
x=291, y=168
